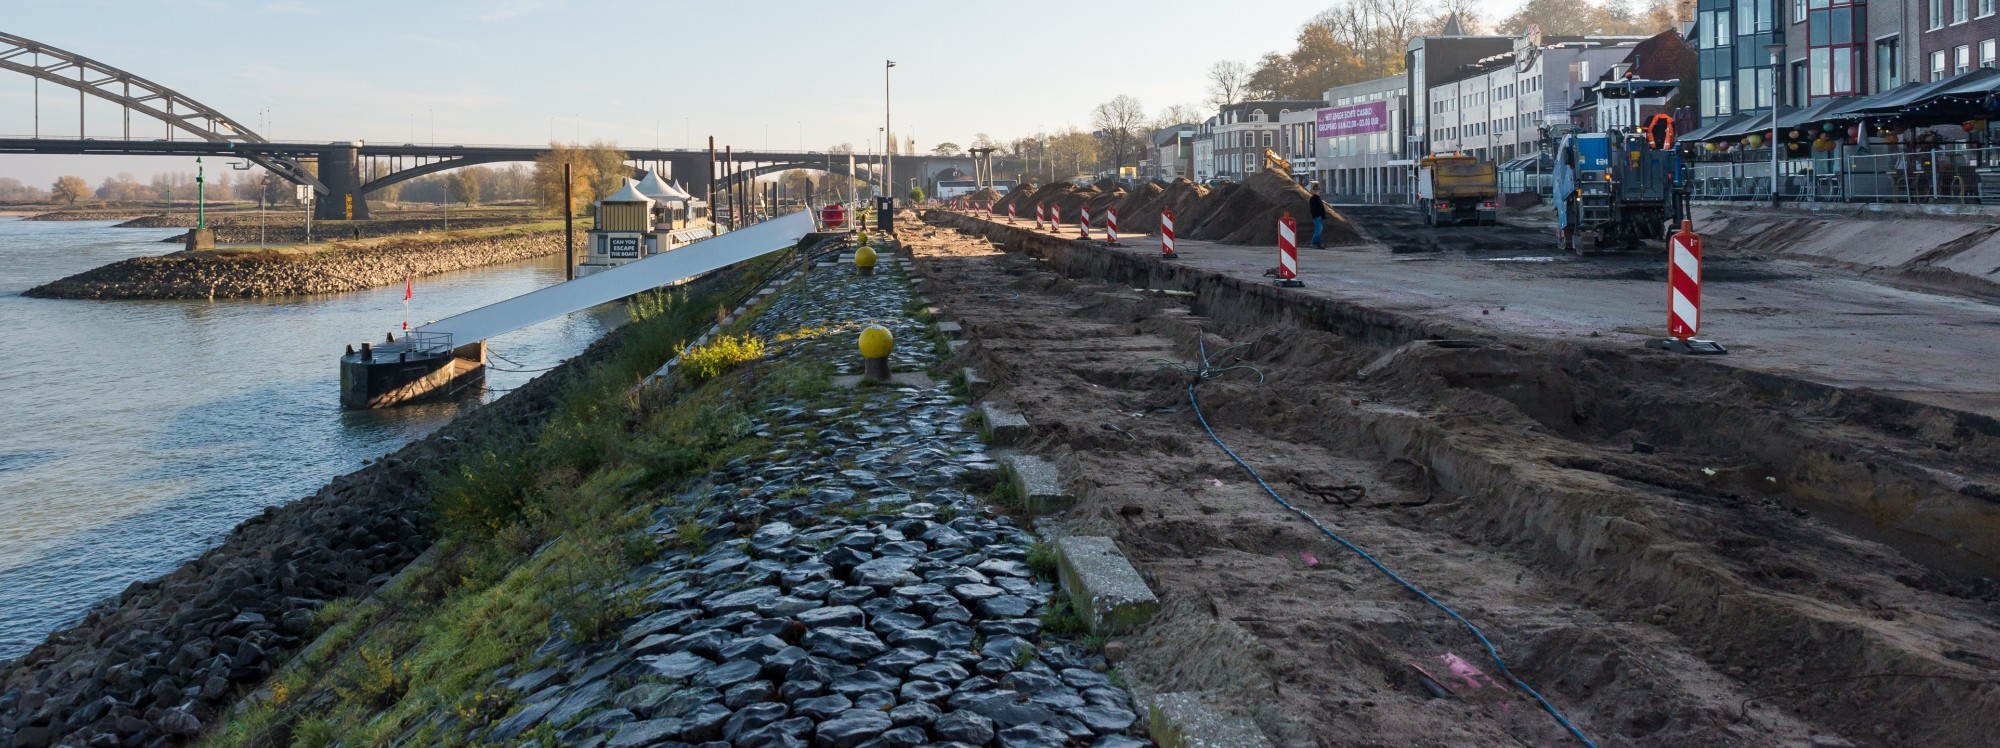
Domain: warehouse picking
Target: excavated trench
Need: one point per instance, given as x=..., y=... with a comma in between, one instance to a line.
x=1677, y=552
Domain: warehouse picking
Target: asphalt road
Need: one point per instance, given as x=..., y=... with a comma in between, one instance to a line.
x=1782, y=316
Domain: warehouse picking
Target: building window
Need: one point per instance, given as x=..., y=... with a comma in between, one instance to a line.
x=1987, y=7
x=1961, y=57
x=1959, y=11
x=1267, y=138
x=1936, y=18
x=1798, y=11
x=1888, y=64
x=1832, y=36
x=1937, y=65
x=1987, y=53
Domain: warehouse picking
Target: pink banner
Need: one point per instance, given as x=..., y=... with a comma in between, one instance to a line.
x=1356, y=119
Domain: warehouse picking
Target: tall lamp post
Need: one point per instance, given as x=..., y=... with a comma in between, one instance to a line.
x=1777, y=50
x=889, y=149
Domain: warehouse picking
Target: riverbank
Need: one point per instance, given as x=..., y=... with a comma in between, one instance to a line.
x=244, y=272
x=751, y=553
x=166, y=654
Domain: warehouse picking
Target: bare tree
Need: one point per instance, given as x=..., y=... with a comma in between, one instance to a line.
x=1178, y=114
x=1120, y=119
x=1226, y=82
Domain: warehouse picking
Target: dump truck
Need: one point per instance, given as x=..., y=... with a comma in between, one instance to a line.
x=1616, y=191
x=1454, y=188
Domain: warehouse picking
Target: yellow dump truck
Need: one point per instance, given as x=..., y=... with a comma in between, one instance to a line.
x=1454, y=188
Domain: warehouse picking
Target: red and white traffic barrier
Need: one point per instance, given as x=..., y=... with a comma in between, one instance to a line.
x=1111, y=226
x=1055, y=218
x=1288, y=252
x=1684, y=296
x=1167, y=235
x=1040, y=216
x=1684, y=283
x=1010, y=213
x=1083, y=221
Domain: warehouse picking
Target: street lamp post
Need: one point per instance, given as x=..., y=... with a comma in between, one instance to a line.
x=888, y=151
x=1777, y=51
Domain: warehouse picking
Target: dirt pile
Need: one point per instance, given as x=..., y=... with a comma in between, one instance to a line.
x=1673, y=553
x=984, y=195
x=1248, y=214
x=1245, y=214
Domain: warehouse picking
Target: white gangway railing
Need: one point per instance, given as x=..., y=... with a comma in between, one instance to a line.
x=653, y=272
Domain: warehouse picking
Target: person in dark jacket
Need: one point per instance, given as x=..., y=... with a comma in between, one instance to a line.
x=1317, y=208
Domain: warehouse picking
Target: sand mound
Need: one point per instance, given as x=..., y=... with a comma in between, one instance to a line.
x=984, y=195
x=1248, y=213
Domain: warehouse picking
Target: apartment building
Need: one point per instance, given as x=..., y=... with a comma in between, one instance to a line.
x=1169, y=152
x=1242, y=132
x=1363, y=144
x=1298, y=142
x=1495, y=112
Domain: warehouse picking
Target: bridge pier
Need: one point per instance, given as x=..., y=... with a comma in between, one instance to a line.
x=340, y=171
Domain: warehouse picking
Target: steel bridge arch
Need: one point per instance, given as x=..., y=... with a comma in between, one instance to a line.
x=133, y=92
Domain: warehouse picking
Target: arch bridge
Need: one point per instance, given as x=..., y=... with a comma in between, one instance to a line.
x=343, y=173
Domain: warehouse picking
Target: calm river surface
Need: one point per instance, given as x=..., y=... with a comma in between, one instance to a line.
x=135, y=434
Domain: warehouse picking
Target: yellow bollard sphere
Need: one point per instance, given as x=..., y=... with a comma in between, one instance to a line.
x=864, y=257
x=876, y=342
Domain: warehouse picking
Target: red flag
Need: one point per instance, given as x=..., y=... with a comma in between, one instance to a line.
x=409, y=288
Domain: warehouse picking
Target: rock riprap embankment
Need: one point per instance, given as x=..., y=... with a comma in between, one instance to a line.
x=203, y=275
x=852, y=593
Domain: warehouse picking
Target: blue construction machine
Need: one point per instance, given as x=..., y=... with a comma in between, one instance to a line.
x=1616, y=191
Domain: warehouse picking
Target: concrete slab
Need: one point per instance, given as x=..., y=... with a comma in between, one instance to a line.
x=1184, y=720
x=951, y=329
x=1002, y=427
x=1037, y=486
x=1102, y=586
x=976, y=384
x=954, y=345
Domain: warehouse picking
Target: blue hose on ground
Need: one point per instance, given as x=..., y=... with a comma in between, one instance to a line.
x=1206, y=371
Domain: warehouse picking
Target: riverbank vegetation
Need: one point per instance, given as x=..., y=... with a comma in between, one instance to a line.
x=535, y=534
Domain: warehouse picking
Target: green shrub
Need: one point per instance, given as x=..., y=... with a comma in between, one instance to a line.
x=488, y=490
x=1042, y=560
x=703, y=363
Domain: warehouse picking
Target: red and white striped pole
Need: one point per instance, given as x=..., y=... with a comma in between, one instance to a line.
x=1040, y=216
x=1684, y=284
x=1055, y=218
x=1111, y=226
x=1083, y=221
x=1167, y=235
x=1288, y=252
x=1010, y=213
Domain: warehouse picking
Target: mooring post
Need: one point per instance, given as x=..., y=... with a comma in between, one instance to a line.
x=569, y=229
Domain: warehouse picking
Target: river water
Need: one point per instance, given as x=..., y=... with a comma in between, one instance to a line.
x=135, y=434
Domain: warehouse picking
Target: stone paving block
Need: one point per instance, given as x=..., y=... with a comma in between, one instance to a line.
x=951, y=329
x=1002, y=427
x=1036, y=484
x=976, y=385
x=1102, y=585
x=1184, y=720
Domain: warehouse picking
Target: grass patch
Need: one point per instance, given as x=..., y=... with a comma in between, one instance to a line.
x=1042, y=560
x=1059, y=619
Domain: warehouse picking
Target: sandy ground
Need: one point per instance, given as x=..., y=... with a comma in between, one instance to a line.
x=1660, y=587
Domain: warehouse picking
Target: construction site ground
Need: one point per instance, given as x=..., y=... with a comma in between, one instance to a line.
x=1674, y=551
x=1814, y=321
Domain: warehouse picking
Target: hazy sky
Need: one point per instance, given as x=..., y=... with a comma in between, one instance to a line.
x=637, y=72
